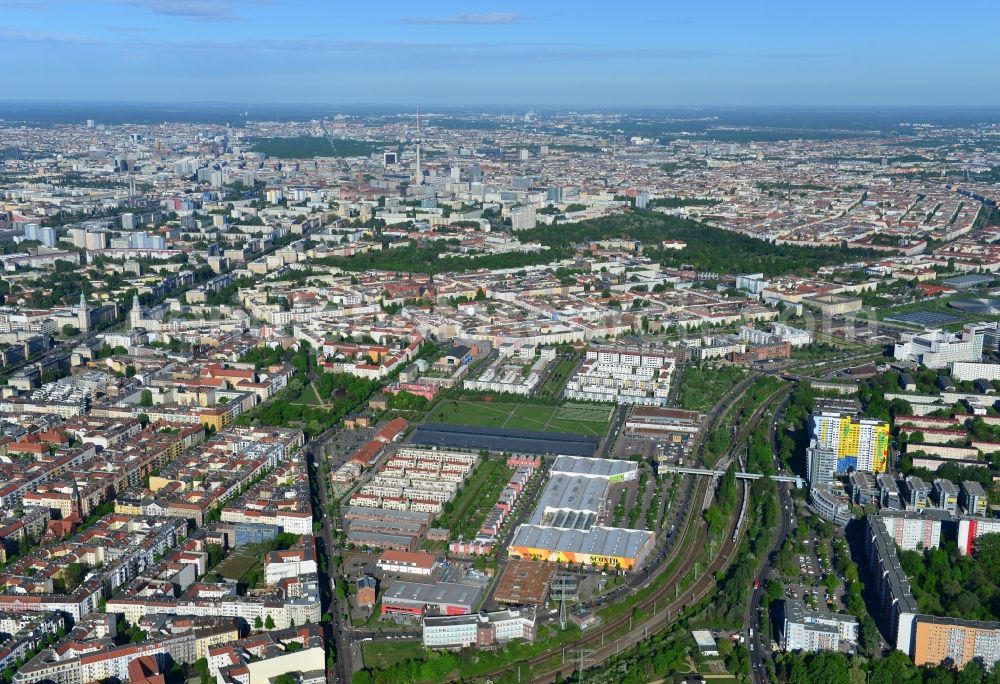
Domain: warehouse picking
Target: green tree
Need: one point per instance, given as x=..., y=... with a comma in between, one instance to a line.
x=894, y=668
x=851, y=573
x=988, y=553
x=868, y=636
x=269, y=622
x=201, y=667
x=773, y=591
x=972, y=673
x=362, y=677
x=715, y=519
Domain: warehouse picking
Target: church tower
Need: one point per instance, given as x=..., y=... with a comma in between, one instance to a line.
x=83, y=315
x=135, y=316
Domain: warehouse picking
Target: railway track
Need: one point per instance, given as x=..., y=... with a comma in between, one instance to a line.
x=663, y=609
x=666, y=602
x=702, y=586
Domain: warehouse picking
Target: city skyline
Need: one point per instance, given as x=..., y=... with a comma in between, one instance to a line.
x=447, y=53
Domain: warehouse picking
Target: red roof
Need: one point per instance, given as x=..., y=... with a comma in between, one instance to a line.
x=144, y=670
x=391, y=430
x=416, y=559
x=367, y=453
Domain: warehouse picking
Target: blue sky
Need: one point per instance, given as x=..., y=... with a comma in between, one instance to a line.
x=583, y=52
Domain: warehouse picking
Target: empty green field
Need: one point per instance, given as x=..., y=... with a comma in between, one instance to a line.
x=530, y=417
x=581, y=419
x=589, y=413
x=482, y=413
x=240, y=562
x=379, y=655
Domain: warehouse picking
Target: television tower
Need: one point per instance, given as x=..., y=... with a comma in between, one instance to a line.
x=420, y=175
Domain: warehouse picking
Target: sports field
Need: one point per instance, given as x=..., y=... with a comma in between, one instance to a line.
x=582, y=419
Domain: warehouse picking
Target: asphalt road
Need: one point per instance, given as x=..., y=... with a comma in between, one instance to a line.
x=342, y=636
x=758, y=673
x=759, y=649
x=616, y=423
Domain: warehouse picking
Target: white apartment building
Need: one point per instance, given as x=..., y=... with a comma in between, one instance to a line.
x=794, y=336
x=635, y=378
x=523, y=218
x=971, y=528
x=939, y=349
x=912, y=531
x=809, y=630
x=287, y=564
x=969, y=370
x=478, y=629
x=778, y=333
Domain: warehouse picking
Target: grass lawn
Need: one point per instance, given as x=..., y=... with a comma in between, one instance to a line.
x=309, y=397
x=530, y=416
x=435, y=547
x=581, y=419
x=700, y=388
x=240, y=562
x=588, y=413
x=578, y=428
x=481, y=413
x=380, y=655
x=245, y=564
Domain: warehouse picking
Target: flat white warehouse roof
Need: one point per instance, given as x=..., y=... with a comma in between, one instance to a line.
x=593, y=467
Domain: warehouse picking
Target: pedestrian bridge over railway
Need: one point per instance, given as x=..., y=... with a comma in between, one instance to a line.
x=795, y=479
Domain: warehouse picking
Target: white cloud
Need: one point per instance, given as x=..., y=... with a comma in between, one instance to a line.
x=196, y=10
x=476, y=19
x=29, y=36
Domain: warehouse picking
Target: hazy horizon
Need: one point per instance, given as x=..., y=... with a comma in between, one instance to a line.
x=701, y=119
x=636, y=53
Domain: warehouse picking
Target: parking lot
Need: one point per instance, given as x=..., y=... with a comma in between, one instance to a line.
x=814, y=561
x=345, y=442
